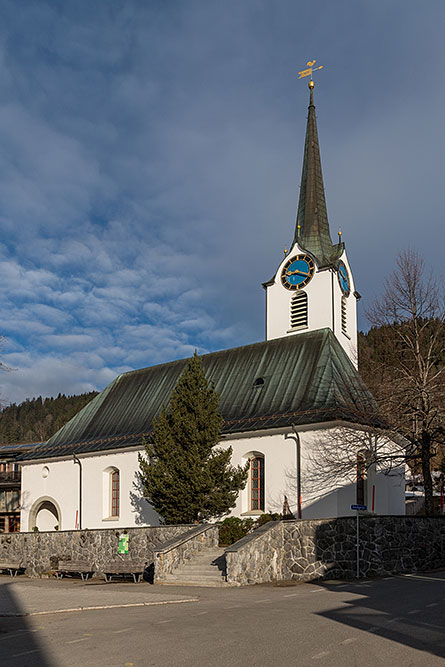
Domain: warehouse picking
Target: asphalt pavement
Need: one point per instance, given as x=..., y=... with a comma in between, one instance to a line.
x=391, y=621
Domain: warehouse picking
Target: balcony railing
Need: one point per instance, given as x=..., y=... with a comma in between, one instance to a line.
x=10, y=476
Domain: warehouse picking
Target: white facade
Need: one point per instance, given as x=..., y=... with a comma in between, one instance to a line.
x=51, y=487
x=325, y=301
x=52, y=484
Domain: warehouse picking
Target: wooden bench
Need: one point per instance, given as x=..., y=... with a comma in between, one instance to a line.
x=136, y=569
x=11, y=567
x=74, y=567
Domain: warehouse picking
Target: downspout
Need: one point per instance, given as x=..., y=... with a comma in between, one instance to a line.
x=296, y=437
x=77, y=460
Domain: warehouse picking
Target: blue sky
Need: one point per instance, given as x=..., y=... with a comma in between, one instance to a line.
x=150, y=157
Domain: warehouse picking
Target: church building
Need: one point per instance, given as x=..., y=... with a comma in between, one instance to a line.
x=283, y=401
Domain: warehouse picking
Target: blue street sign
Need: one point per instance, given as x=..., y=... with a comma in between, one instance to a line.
x=359, y=507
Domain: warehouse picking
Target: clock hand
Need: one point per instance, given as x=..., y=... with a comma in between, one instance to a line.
x=302, y=273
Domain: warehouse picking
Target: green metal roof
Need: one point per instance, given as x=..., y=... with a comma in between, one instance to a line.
x=312, y=227
x=308, y=378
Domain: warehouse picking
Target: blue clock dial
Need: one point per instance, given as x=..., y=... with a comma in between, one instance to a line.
x=297, y=272
x=343, y=278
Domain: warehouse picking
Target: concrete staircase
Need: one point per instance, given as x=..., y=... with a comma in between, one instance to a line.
x=207, y=568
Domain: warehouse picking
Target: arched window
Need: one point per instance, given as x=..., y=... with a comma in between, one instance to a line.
x=361, y=478
x=257, y=483
x=344, y=321
x=114, y=493
x=298, y=311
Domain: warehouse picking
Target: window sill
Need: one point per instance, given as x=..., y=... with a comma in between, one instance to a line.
x=111, y=518
x=253, y=513
x=300, y=328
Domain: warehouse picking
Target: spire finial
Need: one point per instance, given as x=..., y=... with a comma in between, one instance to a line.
x=308, y=72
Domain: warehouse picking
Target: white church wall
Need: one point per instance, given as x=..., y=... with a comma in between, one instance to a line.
x=349, y=340
x=324, y=306
x=279, y=300
x=279, y=457
x=384, y=490
x=58, y=481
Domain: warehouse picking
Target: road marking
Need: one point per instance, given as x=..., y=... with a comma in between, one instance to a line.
x=432, y=604
x=117, y=632
x=414, y=611
x=373, y=629
x=259, y=601
x=17, y=655
x=16, y=634
x=104, y=606
x=159, y=622
x=393, y=620
x=317, y=656
x=201, y=613
x=291, y=595
x=348, y=641
x=234, y=606
x=387, y=578
x=318, y=590
x=75, y=641
x=419, y=576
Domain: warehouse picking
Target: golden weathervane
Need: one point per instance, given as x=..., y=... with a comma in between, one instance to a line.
x=308, y=72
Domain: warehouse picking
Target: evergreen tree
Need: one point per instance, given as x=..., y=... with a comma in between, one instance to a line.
x=185, y=476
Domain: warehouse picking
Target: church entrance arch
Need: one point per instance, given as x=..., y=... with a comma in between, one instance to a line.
x=45, y=515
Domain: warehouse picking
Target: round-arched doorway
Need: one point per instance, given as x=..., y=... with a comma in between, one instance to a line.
x=45, y=515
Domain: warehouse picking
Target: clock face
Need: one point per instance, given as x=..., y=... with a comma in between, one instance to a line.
x=297, y=272
x=343, y=278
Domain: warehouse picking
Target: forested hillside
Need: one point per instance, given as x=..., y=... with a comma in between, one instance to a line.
x=38, y=419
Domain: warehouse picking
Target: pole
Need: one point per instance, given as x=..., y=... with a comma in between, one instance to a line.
x=77, y=461
x=358, y=546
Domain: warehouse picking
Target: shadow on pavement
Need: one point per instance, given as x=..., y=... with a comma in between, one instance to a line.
x=408, y=609
x=19, y=644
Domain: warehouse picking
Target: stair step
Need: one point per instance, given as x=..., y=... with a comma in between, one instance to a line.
x=206, y=568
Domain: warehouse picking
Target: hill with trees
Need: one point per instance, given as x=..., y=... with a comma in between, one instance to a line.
x=37, y=419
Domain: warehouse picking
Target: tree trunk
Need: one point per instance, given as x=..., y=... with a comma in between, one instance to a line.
x=426, y=473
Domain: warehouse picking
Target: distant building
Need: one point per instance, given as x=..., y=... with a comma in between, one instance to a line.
x=278, y=398
x=10, y=483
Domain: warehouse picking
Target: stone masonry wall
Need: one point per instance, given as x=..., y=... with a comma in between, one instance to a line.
x=181, y=549
x=326, y=549
x=256, y=558
x=41, y=552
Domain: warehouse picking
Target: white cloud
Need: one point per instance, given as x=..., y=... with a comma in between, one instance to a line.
x=150, y=161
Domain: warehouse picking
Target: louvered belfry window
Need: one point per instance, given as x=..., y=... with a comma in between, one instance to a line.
x=115, y=493
x=298, y=310
x=257, y=483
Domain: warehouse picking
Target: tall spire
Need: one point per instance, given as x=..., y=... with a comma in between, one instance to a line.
x=312, y=228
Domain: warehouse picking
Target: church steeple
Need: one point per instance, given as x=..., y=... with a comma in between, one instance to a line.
x=312, y=227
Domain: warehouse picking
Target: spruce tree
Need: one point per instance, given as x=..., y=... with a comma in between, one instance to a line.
x=184, y=475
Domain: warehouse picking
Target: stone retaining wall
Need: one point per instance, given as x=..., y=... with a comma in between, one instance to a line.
x=181, y=549
x=41, y=552
x=256, y=558
x=326, y=549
